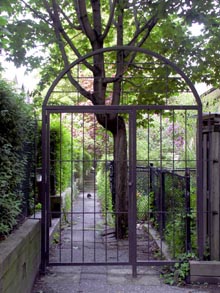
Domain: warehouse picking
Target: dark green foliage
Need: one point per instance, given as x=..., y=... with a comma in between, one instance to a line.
x=175, y=212
x=144, y=206
x=104, y=192
x=178, y=274
x=144, y=194
x=161, y=199
x=60, y=155
x=142, y=183
x=175, y=229
x=15, y=129
x=67, y=157
x=164, y=27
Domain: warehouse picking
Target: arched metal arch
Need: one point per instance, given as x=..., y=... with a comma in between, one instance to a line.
x=200, y=220
x=125, y=48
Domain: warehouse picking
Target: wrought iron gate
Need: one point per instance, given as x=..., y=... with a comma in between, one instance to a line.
x=79, y=153
x=91, y=239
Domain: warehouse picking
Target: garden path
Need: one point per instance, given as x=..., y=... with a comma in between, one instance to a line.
x=97, y=279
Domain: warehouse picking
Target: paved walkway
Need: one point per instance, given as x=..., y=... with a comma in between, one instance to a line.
x=97, y=279
x=103, y=280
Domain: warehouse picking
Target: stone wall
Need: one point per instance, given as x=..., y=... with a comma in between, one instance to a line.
x=20, y=257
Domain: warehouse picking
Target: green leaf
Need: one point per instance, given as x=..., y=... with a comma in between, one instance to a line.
x=3, y=21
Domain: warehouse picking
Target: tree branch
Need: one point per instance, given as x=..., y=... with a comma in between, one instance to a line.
x=40, y=16
x=143, y=39
x=137, y=23
x=66, y=37
x=70, y=43
x=48, y=9
x=121, y=69
x=84, y=20
x=110, y=20
x=68, y=20
x=58, y=29
x=97, y=21
x=149, y=25
x=120, y=57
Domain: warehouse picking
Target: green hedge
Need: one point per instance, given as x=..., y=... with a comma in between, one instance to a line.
x=16, y=125
x=104, y=190
x=60, y=155
x=66, y=157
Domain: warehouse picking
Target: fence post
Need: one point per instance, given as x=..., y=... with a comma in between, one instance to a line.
x=112, y=182
x=161, y=203
x=188, y=210
x=163, y=195
x=151, y=177
x=211, y=183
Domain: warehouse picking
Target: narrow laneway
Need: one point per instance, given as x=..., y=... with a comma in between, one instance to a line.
x=84, y=239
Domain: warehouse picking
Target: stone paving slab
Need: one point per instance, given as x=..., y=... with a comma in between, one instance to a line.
x=104, y=280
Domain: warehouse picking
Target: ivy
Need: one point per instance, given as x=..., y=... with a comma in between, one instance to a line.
x=179, y=272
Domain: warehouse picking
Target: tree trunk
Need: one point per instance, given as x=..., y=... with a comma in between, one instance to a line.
x=116, y=125
x=120, y=179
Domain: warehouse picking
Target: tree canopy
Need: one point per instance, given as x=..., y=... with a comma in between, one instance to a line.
x=52, y=33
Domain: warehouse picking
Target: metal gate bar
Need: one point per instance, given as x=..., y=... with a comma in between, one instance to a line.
x=48, y=188
x=132, y=111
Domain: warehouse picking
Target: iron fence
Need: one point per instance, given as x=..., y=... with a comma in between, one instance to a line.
x=168, y=205
x=170, y=194
x=30, y=187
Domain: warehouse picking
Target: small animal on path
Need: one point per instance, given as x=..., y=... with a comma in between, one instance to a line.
x=89, y=195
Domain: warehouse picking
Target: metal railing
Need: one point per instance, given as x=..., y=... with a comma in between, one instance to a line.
x=170, y=192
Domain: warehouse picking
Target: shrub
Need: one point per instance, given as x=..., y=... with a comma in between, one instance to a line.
x=15, y=129
x=144, y=206
x=66, y=156
x=60, y=155
x=104, y=192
